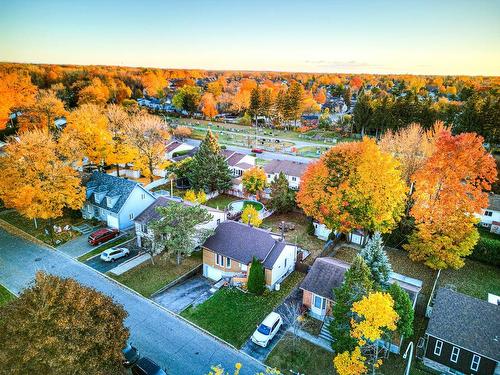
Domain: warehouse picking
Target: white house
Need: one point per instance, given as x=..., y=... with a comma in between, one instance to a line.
x=490, y=218
x=229, y=252
x=238, y=163
x=115, y=200
x=292, y=170
x=357, y=236
x=145, y=234
x=175, y=148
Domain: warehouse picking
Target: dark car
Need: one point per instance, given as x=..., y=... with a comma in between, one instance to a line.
x=130, y=355
x=257, y=150
x=103, y=235
x=145, y=366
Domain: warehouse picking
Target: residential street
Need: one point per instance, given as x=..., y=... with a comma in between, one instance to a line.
x=167, y=339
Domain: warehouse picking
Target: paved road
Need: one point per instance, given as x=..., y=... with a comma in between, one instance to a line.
x=168, y=340
x=102, y=266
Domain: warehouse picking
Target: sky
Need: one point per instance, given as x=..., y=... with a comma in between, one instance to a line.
x=372, y=36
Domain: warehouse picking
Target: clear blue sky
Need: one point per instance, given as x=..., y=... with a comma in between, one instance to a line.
x=419, y=36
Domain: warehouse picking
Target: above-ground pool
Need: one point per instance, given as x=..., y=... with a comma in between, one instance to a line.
x=238, y=206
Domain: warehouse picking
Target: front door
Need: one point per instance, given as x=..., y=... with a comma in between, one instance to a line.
x=318, y=305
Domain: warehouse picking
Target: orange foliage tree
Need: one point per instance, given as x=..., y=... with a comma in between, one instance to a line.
x=42, y=113
x=95, y=93
x=16, y=90
x=120, y=152
x=208, y=105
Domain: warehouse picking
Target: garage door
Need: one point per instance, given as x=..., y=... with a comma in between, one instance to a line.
x=212, y=273
x=112, y=222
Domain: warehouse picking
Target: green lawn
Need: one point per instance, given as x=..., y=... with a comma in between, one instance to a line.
x=106, y=246
x=221, y=201
x=5, y=296
x=148, y=278
x=307, y=358
x=233, y=315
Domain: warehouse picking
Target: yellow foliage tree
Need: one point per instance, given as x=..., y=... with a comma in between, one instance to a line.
x=350, y=363
x=120, y=152
x=201, y=197
x=16, y=90
x=190, y=196
x=251, y=216
x=42, y=113
x=254, y=180
x=95, y=93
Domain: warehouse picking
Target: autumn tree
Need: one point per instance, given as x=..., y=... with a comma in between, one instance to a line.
x=95, y=93
x=209, y=170
x=182, y=132
x=350, y=363
x=208, y=105
x=154, y=82
x=450, y=189
x=251, y=216
x=16, y=90
x=339, y=189
x=282, y=196
x=187, y=98
x=58, y=326
x=195, y=196
x=320, y=96
x=148, y=134
x=36, y=180
x=376, y=259
x=41, y=114
x=254, y=180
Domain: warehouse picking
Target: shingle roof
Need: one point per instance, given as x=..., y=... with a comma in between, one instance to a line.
x=150, y=212
x=242, y=242
x=172, y=146
x=244, y=166
x=234, y=159
x=494, y=202
x=113, y=187
x=468, y=322
x=288, y=167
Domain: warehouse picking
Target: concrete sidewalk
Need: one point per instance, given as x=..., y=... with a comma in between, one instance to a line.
x=129, y=264
x=316, y=340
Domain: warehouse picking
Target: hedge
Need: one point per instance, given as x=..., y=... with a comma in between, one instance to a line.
x=487, y=250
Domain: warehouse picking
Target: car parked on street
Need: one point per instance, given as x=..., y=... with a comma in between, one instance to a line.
x=102, y=235
x=267, y=329
x=145, y=366
x=130, y=355
x=110, y=255
x=257, y=150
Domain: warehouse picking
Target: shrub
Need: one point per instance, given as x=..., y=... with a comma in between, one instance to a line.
x=310, y=228
x=256, y=278
x=487, y=250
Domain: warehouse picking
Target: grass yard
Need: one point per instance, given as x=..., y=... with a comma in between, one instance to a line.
x=221, y=201
x=5, y=296
x=233, y=315
x=148, y=278
x=299, y=235
x=307, y=359
x=106, y=246
x=166, y=187
x=28, y=226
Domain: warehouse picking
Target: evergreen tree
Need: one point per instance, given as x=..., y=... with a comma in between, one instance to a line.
x=282, y=197
x=362, y=114
x=266, y=103
x=209, y=169
x=376, y=259
x=255, y=104
x=357, y=284
x=256, y=278
x=294, y=101
x=404, y=308
x=347, y=97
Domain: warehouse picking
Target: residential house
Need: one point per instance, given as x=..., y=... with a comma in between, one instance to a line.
x=114, y=200
x=238, y=163
x=177, y=148
x=310, y=119
x=463, y=335
x=230, y=250
x=490, y=218
x=357, y=236
x=328, y=273
x=292, y=170
x=145, y=234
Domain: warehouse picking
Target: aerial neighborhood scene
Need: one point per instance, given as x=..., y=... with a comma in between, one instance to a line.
x=249, y=187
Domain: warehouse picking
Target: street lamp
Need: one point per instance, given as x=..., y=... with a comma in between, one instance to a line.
x=410, y=348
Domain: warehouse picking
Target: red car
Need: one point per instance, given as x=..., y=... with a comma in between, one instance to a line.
x=257, y=150
x=103, y=235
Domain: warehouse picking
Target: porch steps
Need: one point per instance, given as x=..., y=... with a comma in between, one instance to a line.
x=83, y=228
x=325, y=332
x=219, y=284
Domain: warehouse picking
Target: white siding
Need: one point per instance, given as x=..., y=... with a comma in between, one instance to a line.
x=284, y=263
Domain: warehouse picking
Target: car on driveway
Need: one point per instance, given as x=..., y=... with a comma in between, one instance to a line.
x=102, y=235
x=130, y=355
x=110, y=255
x=267, y=329
x=145, y=366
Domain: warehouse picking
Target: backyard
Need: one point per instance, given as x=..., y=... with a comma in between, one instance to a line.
x=221, y=201
x=5, y=295
x=233, y=315
x=148, y=278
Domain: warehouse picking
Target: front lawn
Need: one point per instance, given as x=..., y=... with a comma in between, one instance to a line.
x=233, y=315
x=221, y=201
x=148, y=278
x=5, y=295
x=100, y=249
x=307, y=359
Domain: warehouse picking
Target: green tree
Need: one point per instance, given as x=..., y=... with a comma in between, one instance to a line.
x=325, y=122
x=245, y=120
x=58, y=326
x=176, y=231
x=255, y=104
x=187, y=98
x=363, y=112
x=346, y=94
x=209, y=169
x=256, y=278
x=357, y=284
x=266, y=103
x=282, y=197
x=294, y=100
x=404, y=308
x=376, y=259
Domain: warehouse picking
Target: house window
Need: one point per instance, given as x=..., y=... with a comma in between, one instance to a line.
x=294, y=178
x=454, y=354
x=102, y=211
x=144, y=228
x=131, y=215
x=488, y=213
x=143, y=196
x=219, y=260
x=228, y=263
x=285, y=262
x=438, y=347
x=474, y=366
x=218, y=221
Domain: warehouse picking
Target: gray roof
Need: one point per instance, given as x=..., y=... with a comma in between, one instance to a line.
x=288, y=167
x=150, y=212
x=113, y=187
x=494, y=202
x=242, y=242
x=468, y=322
x=234, y=158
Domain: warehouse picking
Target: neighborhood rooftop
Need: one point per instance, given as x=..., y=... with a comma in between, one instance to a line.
x=465, y=321
x=494, y=202
x=242, y=242
x=288, y=167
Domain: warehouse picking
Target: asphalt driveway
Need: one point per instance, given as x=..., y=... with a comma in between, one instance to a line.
x=102, y=266
x=159, y=334
x=196, y=289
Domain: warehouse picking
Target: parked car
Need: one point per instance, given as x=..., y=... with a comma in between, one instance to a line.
x=110, y=255
x=103, y=235
x=257, y=150
x=130, y=355
x=145, y=366
x=267, y=329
